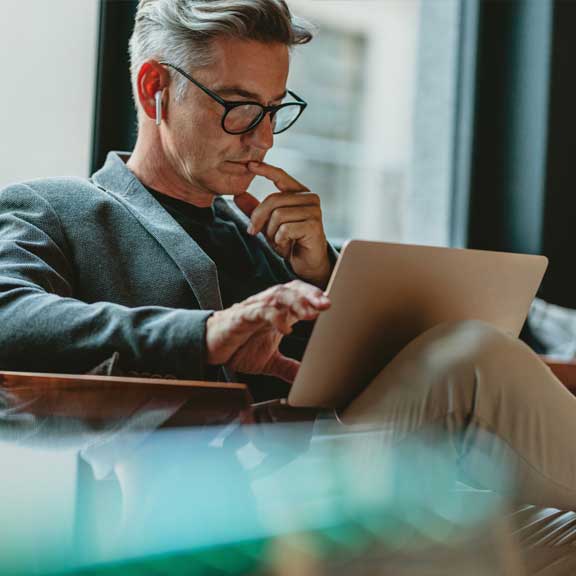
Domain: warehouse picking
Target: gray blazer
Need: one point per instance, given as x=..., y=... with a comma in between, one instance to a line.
x=93, y=267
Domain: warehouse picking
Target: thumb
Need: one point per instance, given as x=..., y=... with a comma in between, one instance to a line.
x=282, y=367
x=247, y=203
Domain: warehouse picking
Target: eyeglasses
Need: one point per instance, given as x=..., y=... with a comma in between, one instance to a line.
x=241, y=116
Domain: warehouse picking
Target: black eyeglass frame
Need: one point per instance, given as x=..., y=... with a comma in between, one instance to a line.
x=231, y=104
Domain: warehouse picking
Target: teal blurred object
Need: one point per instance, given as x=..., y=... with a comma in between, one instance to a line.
x=195, y=502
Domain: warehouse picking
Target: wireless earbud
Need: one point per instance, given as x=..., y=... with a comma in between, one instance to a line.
x=158, y=98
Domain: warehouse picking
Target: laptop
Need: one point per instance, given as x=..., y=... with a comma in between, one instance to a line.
x=385, y=295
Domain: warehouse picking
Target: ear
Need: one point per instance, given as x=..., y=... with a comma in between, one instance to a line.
x=152, y=78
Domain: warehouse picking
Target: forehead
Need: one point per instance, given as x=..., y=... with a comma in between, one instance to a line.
x=254, y=66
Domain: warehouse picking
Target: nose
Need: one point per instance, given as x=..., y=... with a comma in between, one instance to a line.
x=262, y=136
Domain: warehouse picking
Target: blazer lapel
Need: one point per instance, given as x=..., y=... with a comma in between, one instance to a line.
x=197, y=268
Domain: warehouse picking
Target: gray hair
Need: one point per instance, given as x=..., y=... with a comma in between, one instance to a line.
x=182, y=31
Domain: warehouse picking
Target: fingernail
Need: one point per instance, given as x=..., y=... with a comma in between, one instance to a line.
x=250, y=229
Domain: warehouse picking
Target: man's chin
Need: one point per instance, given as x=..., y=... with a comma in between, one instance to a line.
x=237, y=185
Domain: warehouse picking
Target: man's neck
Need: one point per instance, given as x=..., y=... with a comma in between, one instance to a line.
x=149, y=164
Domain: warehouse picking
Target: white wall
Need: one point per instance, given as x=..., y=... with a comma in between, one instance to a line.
x=48, y=70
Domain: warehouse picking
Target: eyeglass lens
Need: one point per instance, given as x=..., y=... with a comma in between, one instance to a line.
x=242, y=118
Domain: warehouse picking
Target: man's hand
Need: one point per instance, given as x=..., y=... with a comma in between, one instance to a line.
x=246, y=336
x=291, y=221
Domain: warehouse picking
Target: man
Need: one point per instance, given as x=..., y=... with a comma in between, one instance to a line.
x=147, y=262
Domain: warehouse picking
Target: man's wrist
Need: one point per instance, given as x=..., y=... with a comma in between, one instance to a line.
x=319, y=278
x=209, y=353
x=321, y=275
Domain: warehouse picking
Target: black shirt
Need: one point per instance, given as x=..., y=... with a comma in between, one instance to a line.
x=243, y=270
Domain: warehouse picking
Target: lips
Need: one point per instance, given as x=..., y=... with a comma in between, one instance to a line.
x=247, y=161
x=237, y=167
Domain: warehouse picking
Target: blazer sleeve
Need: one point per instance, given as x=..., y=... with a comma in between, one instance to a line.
x=44, y=328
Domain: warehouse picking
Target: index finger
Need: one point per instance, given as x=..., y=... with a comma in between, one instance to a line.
x=292, y=292
x=283, y=181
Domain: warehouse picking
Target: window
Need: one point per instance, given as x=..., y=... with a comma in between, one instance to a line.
x=376, y=140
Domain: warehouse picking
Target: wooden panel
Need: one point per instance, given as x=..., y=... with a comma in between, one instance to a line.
x=99, y=399
x=565, y=372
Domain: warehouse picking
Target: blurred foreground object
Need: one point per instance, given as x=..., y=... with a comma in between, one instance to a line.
x=204, y=499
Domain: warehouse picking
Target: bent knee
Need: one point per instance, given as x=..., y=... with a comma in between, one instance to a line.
x=465, y=344
x=474, y=334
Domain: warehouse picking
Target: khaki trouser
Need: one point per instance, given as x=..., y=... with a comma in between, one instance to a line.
x=488, y=391
x=493, y=397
